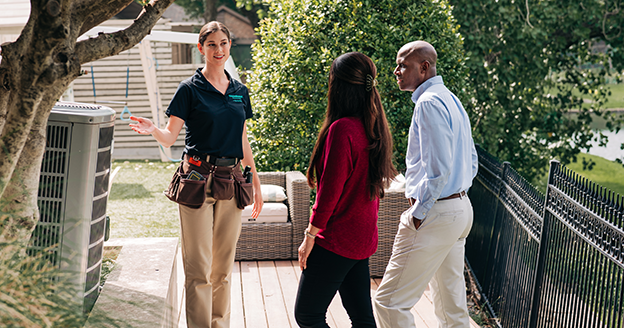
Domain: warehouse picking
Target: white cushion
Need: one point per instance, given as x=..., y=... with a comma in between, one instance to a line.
x=271, y=212
x=273, y=193
x=398, y=183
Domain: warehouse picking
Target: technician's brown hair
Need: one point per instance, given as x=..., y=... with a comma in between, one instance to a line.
x=352, y=93
x=210, y=28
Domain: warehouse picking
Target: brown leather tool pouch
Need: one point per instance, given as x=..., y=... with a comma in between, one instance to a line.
x=184, y=191
x=223, y=183
x=243, y=190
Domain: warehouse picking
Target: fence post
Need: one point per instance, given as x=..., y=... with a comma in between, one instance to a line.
x=506, y=166
x=543, y=245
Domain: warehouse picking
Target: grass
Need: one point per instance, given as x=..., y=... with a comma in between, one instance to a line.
x=606, y=173
x=109, y=261
x=136, y=204
x=616, y=99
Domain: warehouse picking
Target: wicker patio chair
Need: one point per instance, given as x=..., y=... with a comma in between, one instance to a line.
x=273, y=240
x=390, y=208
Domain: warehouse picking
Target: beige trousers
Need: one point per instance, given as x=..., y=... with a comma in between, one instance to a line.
x=209, y=236
x=432, y=254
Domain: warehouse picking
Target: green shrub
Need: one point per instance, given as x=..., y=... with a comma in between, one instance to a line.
x=299, y=41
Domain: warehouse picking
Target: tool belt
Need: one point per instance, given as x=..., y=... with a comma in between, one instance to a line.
x=190, y=181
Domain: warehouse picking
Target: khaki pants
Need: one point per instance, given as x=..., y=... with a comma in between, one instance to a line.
x=432, y=254
x=209, y=236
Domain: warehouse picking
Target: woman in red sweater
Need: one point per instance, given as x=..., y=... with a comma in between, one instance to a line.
x=350, y=165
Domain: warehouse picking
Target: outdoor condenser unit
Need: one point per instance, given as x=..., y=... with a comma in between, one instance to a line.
x=73, y=191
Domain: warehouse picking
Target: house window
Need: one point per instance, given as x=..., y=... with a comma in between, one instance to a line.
x=181, y=53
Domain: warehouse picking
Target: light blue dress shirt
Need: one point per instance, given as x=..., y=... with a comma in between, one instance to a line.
x=441, y=157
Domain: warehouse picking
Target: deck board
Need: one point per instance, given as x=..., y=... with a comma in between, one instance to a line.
x=424, y=310
x=275, y=305
x=237, y=317
x=253, y=304
x=264, y=292
x=289, y=280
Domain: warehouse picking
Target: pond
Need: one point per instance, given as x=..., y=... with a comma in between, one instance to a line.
x=612, y=150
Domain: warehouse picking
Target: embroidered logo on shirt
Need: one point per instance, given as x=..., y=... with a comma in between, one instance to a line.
x=236, y=98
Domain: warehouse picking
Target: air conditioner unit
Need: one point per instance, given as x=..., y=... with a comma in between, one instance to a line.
x=73, y=192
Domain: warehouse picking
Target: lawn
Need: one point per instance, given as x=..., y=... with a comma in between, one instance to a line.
x=606, y=173
x=136, y=205
x=615, y=100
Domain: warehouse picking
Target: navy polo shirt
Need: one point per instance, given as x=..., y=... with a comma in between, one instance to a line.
x=214, y=122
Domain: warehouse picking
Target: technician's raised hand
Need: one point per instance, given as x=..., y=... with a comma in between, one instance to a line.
x=144, y=125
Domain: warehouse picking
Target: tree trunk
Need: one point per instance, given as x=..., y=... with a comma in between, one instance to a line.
x=210, y=12
x=35, y=71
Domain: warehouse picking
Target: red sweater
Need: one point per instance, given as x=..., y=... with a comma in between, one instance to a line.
x=343, y=209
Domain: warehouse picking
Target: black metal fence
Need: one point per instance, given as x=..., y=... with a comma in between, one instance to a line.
x=547, y=261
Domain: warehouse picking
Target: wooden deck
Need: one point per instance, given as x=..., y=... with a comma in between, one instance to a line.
x=263, y=296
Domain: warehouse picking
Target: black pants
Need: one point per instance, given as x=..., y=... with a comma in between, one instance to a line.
x=325, y=274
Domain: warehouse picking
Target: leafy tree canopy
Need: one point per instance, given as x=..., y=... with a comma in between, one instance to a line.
x=530, y=64
x=299, y=41
x=254, y=10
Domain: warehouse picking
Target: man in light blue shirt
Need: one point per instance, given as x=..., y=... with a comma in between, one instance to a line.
x=441, y=163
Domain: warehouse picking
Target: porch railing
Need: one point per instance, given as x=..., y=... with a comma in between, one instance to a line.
x=547, y=261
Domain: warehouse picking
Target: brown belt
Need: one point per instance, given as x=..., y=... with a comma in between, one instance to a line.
x=457, y=195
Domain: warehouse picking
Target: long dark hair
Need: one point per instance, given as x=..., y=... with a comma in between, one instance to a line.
x=352, y=93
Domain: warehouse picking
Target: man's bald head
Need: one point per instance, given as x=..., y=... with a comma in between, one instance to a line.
x=420, y=51
x=416, y=63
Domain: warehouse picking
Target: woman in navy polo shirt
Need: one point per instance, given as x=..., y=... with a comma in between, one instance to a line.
x=214, y=107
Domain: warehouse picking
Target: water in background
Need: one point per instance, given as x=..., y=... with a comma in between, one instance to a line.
x=612, y=150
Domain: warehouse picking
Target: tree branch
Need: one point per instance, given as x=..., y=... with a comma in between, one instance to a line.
x=92, y=16
x=606, y=16
x=109, y=44
x=528, y=13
